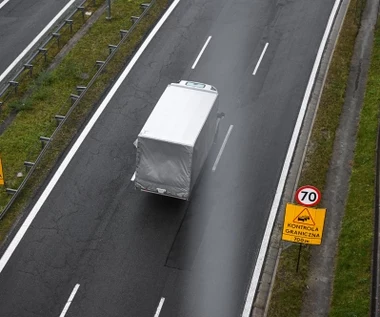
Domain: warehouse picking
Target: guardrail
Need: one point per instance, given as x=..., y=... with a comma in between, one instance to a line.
x=75, y=100
x=42, y=50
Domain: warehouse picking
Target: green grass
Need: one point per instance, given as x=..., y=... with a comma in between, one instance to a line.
x=20, y=141
x=317, y=160
x=351, y=295
x=290, y=284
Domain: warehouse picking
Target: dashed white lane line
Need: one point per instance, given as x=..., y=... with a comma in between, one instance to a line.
x=133, y=177
x=2, y=4
x=160, y=304
x=285, y=169
x=222, y=148
x=260, y=59
x=69, y=301
x=36, y=39
x=41, y=200
x=201, y=52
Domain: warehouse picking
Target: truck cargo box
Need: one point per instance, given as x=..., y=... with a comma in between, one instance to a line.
x=176, y=139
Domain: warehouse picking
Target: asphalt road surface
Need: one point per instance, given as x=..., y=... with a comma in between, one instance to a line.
x=20, y=22
x=137, y=254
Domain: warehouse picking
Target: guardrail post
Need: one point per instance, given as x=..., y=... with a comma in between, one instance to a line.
x=44, y=140
x=28, y=165
x=57, y=36
x=73, y=98
x=99, y=63
x=123, y=33
x=59, y=118
x=144, y=6
x=10, y=191
x=14, y=84
x=111, y=47
x=43, y=51
x=81, y=8
x=134, y=19
x=70, y=23
x=30, y=67
x=80, y=89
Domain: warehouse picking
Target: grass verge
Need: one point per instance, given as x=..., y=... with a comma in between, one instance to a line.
x=289, y=285
x=20, y=142
x=351, y=293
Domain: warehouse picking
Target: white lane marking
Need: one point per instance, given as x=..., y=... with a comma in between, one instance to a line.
x=36, y=39
x=260, y=59
x=69, y=301
x=160, y=304
x=285, y=168
x=3, y=3
x=133, y=177
x=222, y=148
x=201, y=52
x=24, y=227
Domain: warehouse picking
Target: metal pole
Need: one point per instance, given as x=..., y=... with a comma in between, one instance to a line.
x=109, y=10
x=299, y=257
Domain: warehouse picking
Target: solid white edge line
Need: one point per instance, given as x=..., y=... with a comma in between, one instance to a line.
x=24, y=227
x=133, y=177
x=285, y=169
x=222, y=148
x=3, y=3
x=69, y=301
x=201, y=52
x=160, y=304
x=36, y=39
x=260, y=59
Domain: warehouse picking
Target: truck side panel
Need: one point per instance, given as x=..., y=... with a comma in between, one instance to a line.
x=204, y=143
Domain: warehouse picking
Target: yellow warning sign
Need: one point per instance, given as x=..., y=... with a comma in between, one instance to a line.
x=303, y=224
x=1, y=173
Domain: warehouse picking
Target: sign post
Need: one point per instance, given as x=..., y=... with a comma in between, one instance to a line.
x=299, y=257
x=1, y=173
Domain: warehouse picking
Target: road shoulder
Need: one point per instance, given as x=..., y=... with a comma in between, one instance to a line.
x=265, y=291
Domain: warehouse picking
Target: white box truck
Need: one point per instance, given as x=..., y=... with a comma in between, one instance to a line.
x=176, y=139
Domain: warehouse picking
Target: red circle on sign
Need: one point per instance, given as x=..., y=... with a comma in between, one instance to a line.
x=308, y=196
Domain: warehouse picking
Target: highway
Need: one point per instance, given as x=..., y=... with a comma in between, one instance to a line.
x=99, y=248
x=22, y=23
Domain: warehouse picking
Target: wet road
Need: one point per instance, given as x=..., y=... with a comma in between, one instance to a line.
x=21, y=21
x=132, y=252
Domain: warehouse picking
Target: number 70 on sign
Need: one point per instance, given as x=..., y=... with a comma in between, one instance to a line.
x=308, y=196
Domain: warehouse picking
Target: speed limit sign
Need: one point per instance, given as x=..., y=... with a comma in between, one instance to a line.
x=308, y=196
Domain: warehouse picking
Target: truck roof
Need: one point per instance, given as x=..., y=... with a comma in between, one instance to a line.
x=180, y=113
